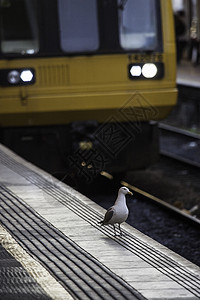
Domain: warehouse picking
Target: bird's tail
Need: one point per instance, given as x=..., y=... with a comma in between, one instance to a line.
x=100, y=222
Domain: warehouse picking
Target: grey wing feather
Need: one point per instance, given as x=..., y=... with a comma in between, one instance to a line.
x=108, y=216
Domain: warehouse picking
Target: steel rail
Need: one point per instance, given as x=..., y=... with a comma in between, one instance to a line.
x=195, y=221
x=181, y=132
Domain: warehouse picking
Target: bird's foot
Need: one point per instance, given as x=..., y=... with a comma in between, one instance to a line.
x=117, y=235
x=120, y=234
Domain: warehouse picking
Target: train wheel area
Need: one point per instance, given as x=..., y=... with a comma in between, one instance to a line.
x=58, y=227
x=85, y=148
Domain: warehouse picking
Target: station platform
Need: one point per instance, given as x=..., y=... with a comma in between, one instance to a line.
x=52, y=246
x=188, y=75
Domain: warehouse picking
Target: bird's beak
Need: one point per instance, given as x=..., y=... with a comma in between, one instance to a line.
x=130, y=193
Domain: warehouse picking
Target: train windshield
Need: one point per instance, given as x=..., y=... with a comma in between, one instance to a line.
x=85, y=25
x=78, y=25
x=138, y=24
x=18, y=26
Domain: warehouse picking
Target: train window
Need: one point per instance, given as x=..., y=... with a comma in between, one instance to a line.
x=78, y=25
x=19, y=31
x=137, y=24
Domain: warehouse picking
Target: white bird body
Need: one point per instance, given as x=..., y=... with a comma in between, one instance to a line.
x=118, y=213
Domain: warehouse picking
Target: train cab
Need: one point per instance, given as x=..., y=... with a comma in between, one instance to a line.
x=65, y=63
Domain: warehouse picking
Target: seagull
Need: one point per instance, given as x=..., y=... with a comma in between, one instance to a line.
x=118, y=213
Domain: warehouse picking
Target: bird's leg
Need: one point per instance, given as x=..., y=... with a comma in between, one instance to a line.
x=114, y=229
x=120, y=231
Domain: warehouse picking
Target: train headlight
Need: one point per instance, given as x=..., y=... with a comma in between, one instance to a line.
x=17, y=77
x=26, y=76
x=146, y=71
x=136, y=70
x=149, y=70
x=13, y=77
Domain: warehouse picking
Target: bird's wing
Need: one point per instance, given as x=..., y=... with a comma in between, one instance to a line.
x=108, y=216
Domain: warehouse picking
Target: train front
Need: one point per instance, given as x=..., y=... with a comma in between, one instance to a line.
x=64, y=63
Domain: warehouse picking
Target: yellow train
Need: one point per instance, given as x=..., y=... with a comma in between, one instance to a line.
x=66, y=62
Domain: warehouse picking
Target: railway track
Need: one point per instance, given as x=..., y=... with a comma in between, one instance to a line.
x=180, y=144
x=164, y=205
